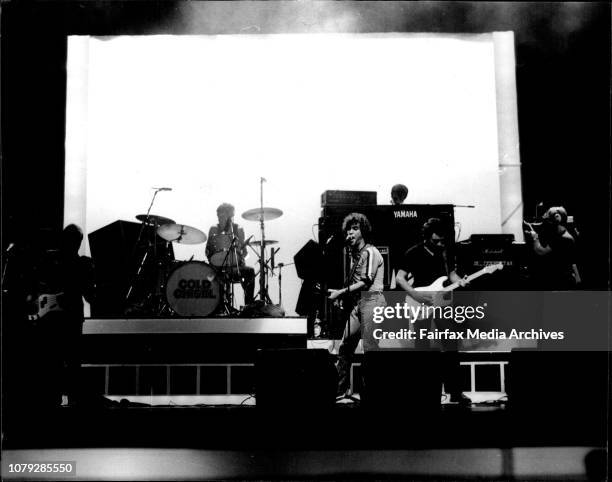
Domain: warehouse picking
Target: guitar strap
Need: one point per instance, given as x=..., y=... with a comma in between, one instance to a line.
x=355, y=261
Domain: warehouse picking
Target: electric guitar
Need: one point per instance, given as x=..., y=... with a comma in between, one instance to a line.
x=440, y=291
x=45, y=303
x=439, y=299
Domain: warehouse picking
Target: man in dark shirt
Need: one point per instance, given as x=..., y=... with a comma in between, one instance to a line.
x=427, y=261
x=76, y=275
x=68, y=278
x=423, y=264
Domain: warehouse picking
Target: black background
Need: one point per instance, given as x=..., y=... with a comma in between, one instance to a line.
x=562, y=69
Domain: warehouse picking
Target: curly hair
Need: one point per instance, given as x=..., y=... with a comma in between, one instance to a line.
x=357, y=218
x=556, y=210
x=433, y=226
x=226, y=208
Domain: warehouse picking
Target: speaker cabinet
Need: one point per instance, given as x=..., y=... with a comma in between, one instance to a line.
x=558, y=383
x=410, y=381
x=117, y=253
x=290, y=379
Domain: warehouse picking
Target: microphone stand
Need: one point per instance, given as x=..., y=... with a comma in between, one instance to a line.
x=280, y=267
x=5, y=261
x=323, y=279
x=140, y=266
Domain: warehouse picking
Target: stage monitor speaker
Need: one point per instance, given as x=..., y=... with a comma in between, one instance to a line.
x=116, y=259
x=309, y=261
x=558, y=384
x=407, y=380
x=295, y=379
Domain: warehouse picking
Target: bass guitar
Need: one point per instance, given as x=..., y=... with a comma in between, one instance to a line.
x=440, y=293
x=440, y=289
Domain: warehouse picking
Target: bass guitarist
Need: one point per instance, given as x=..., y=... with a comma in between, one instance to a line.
x=423, y=264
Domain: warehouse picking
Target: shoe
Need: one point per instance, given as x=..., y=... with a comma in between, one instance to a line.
x=343, y=393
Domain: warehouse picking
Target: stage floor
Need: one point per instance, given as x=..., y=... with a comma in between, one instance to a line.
x=218, y=437
x=493, y=464
x=481, y=400
x=234, y=422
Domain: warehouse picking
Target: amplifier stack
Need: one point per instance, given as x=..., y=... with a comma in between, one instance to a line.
x=485, y=249
x=394, y=230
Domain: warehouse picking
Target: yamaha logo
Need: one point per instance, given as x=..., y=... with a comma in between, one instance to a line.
x=405, y=214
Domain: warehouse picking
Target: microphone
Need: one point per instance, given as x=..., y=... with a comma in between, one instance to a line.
x=538, y=206
x=162, y=188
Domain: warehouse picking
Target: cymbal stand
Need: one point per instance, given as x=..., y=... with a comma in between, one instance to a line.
x=228, y=291
x=263, y=268
x=258, y=254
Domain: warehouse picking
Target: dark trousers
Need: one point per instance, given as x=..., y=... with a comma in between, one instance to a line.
x=245, y=275
x=451, y=369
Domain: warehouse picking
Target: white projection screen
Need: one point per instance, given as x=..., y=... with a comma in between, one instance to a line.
x=210, y=115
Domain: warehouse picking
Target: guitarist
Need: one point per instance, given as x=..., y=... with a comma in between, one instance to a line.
x=64, y=273
x=427, y=261
x=78, y=283
x=366, y=275
x=422, y=265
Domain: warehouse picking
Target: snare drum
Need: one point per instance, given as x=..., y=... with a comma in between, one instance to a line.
x=193, y=289
x=220, y=246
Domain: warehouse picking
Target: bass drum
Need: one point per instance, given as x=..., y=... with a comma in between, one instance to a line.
x=193, y=289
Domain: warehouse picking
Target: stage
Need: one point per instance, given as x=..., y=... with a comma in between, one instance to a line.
x=177, y=399
x=219, y=438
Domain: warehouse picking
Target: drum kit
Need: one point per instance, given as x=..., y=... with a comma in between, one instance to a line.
x=197, y=288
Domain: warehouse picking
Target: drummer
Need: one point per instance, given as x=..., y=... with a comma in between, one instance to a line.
x=219, y=241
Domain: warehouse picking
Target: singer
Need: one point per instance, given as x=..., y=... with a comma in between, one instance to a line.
x=362, y=292
x=226, y=243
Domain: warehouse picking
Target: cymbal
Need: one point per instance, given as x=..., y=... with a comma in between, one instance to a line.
x=155, y=219
x=179, y=233
x=258, y=214
x=257, y=242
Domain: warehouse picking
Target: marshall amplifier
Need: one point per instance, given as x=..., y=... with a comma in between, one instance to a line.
x=384, y=252
x=485, y=249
